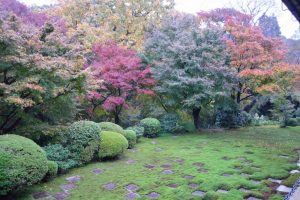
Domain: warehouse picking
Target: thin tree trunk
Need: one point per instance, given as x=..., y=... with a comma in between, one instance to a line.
x=196, y=117
x=117, y=118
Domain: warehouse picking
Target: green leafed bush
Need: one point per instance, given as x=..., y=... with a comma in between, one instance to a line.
x=292, y=122
x=151, y=126
x=61, y=156
x=109, y=126
x=130, y=135
x=82, y=140
x=52, y=169
x=170, y=123
x=112, y=144
x=139, y=130
x=22, y=163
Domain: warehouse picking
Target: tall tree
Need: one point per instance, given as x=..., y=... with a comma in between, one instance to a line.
x=269, y=26
x=119, y=75
x=122, y=21
x=188, y=63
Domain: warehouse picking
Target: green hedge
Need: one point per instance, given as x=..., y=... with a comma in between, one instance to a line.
x=130, y=135
x=139, y=130
x=152, y=127
x=112, y=144
x=82, y=140
x=22, y=163
x=52, y=169
x=109, y=126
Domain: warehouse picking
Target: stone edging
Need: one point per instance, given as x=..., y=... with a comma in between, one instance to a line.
x=296, y=185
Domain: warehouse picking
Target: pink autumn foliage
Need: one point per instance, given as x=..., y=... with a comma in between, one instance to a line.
x=119, y=73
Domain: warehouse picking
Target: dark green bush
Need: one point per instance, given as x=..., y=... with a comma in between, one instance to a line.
x=22, y=163
x=151, y=126
x=52, y=170
x=292, y=122
x=82, y=140
x=112, y=144
x=170, y=123
x=139, y=130
x=130, y=135
x=61, y=156
x=109, y=126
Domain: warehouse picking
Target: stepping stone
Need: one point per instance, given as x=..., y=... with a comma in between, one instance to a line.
x=98, y=171
x=244, y=190
x=189, y=177
x=130, y=162
x=226, y=175
x=166, y=166
x=61, y=195
x=284, y=156
x=149, y=166
x=68, y=187
x=248, y=162
x=202, y=170
x=246, y=175
x=193, y=185
x=132, y=150
x=132, y=187
x=222, y=191
x=255, y=182
x=153, y=142
x=173, y=185
x=242, y=158
x=168, y=171
x=274, y=180
x=226, y=158
x=199, y=193
x=110, y=186
x=198, y=164
x=131, y=195
x=180, y=161
x=294, y=171
x=283, y=189
x=41, y=195
x=73, y=179
x=153, y=195
x=253, y=198
x=158, y=149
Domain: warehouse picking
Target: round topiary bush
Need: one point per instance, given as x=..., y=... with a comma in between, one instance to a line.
x=52, y=170
x=22, y=163
x=109, y=126
x=82, y=140
x=151, y=126
x=112, y=144
x=130, y=135
x=139, y=130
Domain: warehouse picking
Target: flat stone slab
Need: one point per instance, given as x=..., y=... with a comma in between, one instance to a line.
x=68, y=187
x=202, y=170
x=132, y=187
x=166, y=166
x=153, y=142
x=168, y=171
x=294, y=171
x=198, y=164
x=131, y=195
x=98, y=171
x=274, y=180
x=226, y=175
x=153, y=195
x=244, y=190
x=149, y=166
x=283, y=156
x=131, y=162
x=248, y=162
x=159, y=149
x=253, y=198
x=246, y=175
x=41, y=195
x=199, y=193
x=189, y=177
x=73, y=179
x=173, y=185
x=222, y=191
x=283, y=189
x=179, y=161
x=61, y=195
x=193, y=185
x=110, y=186
x=255, y=182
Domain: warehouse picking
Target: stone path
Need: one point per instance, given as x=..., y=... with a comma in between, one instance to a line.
x=110, y=186
x=199, y=193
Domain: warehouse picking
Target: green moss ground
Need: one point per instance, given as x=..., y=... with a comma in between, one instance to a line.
x=247, y=148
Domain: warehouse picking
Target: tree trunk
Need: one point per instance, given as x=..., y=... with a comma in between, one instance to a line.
x=117, y=118
x=196, y=117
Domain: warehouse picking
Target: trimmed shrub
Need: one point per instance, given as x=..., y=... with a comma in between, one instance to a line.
x=151, y=126
x=130, y=135
x=52, y=170
x=61, y=156
x=292, y=122
x=139, y=130
x=109, y=126
x=22, y=163
x=112, y=144
x=82, y=140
